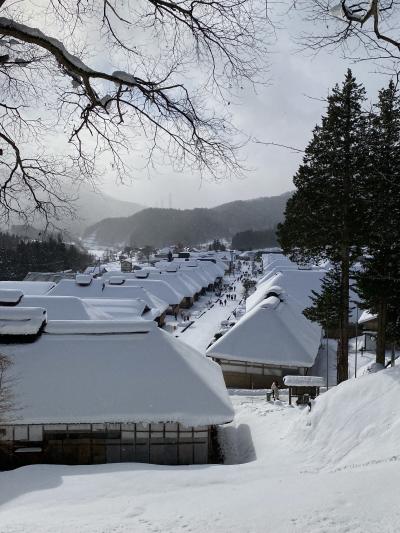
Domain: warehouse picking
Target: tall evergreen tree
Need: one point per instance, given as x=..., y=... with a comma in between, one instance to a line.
x=322, y=219
x=378, y=281
x=325, y=307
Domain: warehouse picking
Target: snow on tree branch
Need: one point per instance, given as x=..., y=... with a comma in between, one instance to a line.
x=175, y=66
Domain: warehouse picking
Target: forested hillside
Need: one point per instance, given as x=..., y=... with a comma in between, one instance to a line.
x=252, y=239
x=18, y=257
x=159, y=227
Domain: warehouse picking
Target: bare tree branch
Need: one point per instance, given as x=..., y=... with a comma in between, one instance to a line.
x=103, y=113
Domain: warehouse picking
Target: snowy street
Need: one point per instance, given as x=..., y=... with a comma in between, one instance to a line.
x=200, y=333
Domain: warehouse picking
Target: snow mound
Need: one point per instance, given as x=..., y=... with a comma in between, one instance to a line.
x=354, y=424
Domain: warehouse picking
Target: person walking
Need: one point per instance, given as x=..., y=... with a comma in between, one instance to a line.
x=275, y=391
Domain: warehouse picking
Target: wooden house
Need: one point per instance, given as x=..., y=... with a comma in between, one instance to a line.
x=272, y=340
x=100, y=392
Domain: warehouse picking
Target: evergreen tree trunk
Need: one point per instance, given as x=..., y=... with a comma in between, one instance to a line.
x=343, y=353
x=381, y=336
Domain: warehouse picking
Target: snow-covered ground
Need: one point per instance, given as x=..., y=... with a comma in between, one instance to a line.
x=334, y=470
x=203, y=329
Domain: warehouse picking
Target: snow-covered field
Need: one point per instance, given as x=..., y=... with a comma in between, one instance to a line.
x=334, y=470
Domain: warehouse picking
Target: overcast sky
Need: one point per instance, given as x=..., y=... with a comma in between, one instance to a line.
x=285, y=111
x=282, y=112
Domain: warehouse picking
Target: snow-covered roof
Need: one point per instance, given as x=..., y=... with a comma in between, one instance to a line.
x=194, y=285
x=367, y=316
x=100, y=289
x=123, y=309
x=28, y=287
x=177, y=281
x=83, y=279
x=159, y=288
x=64, y=308
x=88, y=372
x=49, y=276
x=274, y=333
x=21, y=321
x=10, y=296
x=296, y=283
x=304, y=381
x=196, y=275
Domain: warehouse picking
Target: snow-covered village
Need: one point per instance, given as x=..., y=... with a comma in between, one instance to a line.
x=199, y=266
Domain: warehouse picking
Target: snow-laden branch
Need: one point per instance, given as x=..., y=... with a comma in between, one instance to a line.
x=178, y=56
x=72, y=64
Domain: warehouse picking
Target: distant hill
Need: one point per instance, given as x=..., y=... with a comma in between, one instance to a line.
x=160, y=227
x=90, y=207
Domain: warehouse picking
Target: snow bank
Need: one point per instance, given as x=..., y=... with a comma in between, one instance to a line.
x=355, y=423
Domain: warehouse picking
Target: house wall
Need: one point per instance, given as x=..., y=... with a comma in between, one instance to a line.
x=187, y=302
x=168, y=444
x=161, y=320
x=247, y=375
x=172, y=309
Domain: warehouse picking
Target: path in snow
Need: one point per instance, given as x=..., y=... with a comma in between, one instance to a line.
x=203, y=329
x=274, y=492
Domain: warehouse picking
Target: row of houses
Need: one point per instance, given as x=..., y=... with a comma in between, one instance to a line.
x=273, y=339
x=92, y=378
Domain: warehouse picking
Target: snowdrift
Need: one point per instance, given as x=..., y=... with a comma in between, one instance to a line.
x=354, y=424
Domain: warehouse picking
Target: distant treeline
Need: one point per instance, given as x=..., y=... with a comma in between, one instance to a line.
x=18, y=257
x=253, y=239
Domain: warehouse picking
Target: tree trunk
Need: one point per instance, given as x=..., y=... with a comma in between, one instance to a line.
x=381, y=336
x=343, y=353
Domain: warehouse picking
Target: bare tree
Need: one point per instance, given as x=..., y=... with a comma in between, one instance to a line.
x=364, y=29
x=110, y=77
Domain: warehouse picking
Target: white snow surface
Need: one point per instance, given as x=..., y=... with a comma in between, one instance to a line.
x=176, y=280
x=96, y=373
x=304, y=381
x=296, y=283
x=123, y=309
x=273, y=332
x=21, y=320
x=28, y=287
x=100, y=289
x=160, y=288
x=354, y=423
x=366, y=316
x=64, y=308
x=276, y=477
x=10, y=296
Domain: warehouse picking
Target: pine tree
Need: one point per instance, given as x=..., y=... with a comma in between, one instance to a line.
x=325, y=308
x=379, y=278
x=323, y=217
